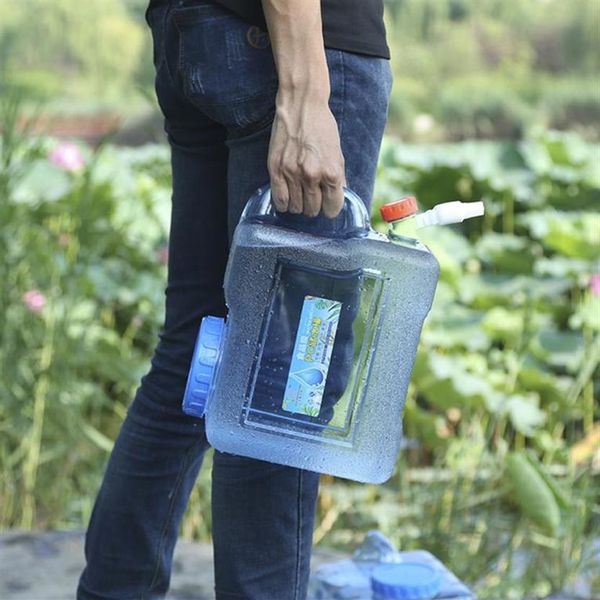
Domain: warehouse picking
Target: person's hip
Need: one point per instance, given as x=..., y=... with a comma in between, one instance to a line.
x=223, y=66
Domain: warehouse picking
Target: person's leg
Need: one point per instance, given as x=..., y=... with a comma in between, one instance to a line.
x=263, y=514
x=159, y=450
x=132, y=532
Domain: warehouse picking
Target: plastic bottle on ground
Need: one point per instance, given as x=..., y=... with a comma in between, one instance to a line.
x=377, y=571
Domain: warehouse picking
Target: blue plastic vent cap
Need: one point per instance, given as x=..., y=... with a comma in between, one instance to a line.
x=204, y=365
x=406, y=581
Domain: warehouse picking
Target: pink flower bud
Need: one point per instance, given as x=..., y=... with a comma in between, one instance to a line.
x=67, y=156
x=162, y=255
x=595, y=284
x=34, y=300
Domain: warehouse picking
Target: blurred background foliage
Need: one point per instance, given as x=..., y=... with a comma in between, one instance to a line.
x=463, y=68
x=492, y=100
x=491, y=68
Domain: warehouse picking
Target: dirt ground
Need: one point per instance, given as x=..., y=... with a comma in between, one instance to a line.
x=46, y=566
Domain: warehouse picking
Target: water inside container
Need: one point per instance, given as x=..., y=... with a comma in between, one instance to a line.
x=315, y=349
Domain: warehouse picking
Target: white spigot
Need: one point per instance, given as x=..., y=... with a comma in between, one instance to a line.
x=448, y=213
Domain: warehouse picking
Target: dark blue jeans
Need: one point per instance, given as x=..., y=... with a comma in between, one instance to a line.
x=216, y=84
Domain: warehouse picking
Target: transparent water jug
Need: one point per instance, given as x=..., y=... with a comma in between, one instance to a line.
x=312, y=366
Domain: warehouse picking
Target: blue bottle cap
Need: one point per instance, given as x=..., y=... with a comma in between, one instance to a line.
x=406, y=581
x=204, y=365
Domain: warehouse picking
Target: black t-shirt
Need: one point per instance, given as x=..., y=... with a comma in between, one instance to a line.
x=352, y=25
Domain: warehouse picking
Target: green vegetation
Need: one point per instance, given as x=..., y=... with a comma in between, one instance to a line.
x=500, y=476
x=463, y=68
x=503, y=403
x=493, y=68
x=88, y=55
x=501, y=415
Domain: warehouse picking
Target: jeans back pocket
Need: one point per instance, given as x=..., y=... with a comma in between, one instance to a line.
x=226, y=65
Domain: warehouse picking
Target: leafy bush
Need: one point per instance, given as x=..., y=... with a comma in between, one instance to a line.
x=574, y=105
x=81, y=297
x=402, y=113
x=94, y=49
x=484, y=65
x=508, y=359
x=99, y=53
x=481, y=110
x=36, y=84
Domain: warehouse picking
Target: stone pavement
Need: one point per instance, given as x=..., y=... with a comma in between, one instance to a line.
x=46, y=566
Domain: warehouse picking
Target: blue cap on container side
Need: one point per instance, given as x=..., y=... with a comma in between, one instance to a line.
x=203, y=367
x=406, y=581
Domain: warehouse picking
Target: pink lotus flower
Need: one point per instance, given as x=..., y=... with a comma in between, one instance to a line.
x=34, y=300
x=162, y=254
x=595, y=284
x=67, y=156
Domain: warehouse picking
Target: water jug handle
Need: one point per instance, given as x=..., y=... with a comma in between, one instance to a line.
x=353, y=220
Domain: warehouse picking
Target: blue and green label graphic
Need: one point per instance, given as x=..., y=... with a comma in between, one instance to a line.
x=312, y=355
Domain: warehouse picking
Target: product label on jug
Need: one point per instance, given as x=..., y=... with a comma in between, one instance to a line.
x=312, y=355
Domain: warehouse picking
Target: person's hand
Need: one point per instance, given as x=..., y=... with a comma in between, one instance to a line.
x=305, y=162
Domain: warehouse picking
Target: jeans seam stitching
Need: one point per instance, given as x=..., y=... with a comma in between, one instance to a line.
x=163, y=535
x=196, y=20
x=179, y=50
x=165, y=62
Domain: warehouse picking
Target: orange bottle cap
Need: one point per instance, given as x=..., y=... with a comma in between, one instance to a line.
x=399, y=209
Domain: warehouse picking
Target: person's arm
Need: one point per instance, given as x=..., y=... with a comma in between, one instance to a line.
x=305, y=160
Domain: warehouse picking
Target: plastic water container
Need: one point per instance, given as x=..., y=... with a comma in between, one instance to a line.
x=377, y=571
x=312, y=366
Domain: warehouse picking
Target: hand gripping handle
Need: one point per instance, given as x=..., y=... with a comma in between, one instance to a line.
x=353, y=220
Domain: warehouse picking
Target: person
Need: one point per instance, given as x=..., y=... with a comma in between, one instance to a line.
x=287, y=92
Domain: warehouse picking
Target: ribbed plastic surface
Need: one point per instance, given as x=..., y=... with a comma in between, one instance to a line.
x=204, y=363
x=406, y=581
